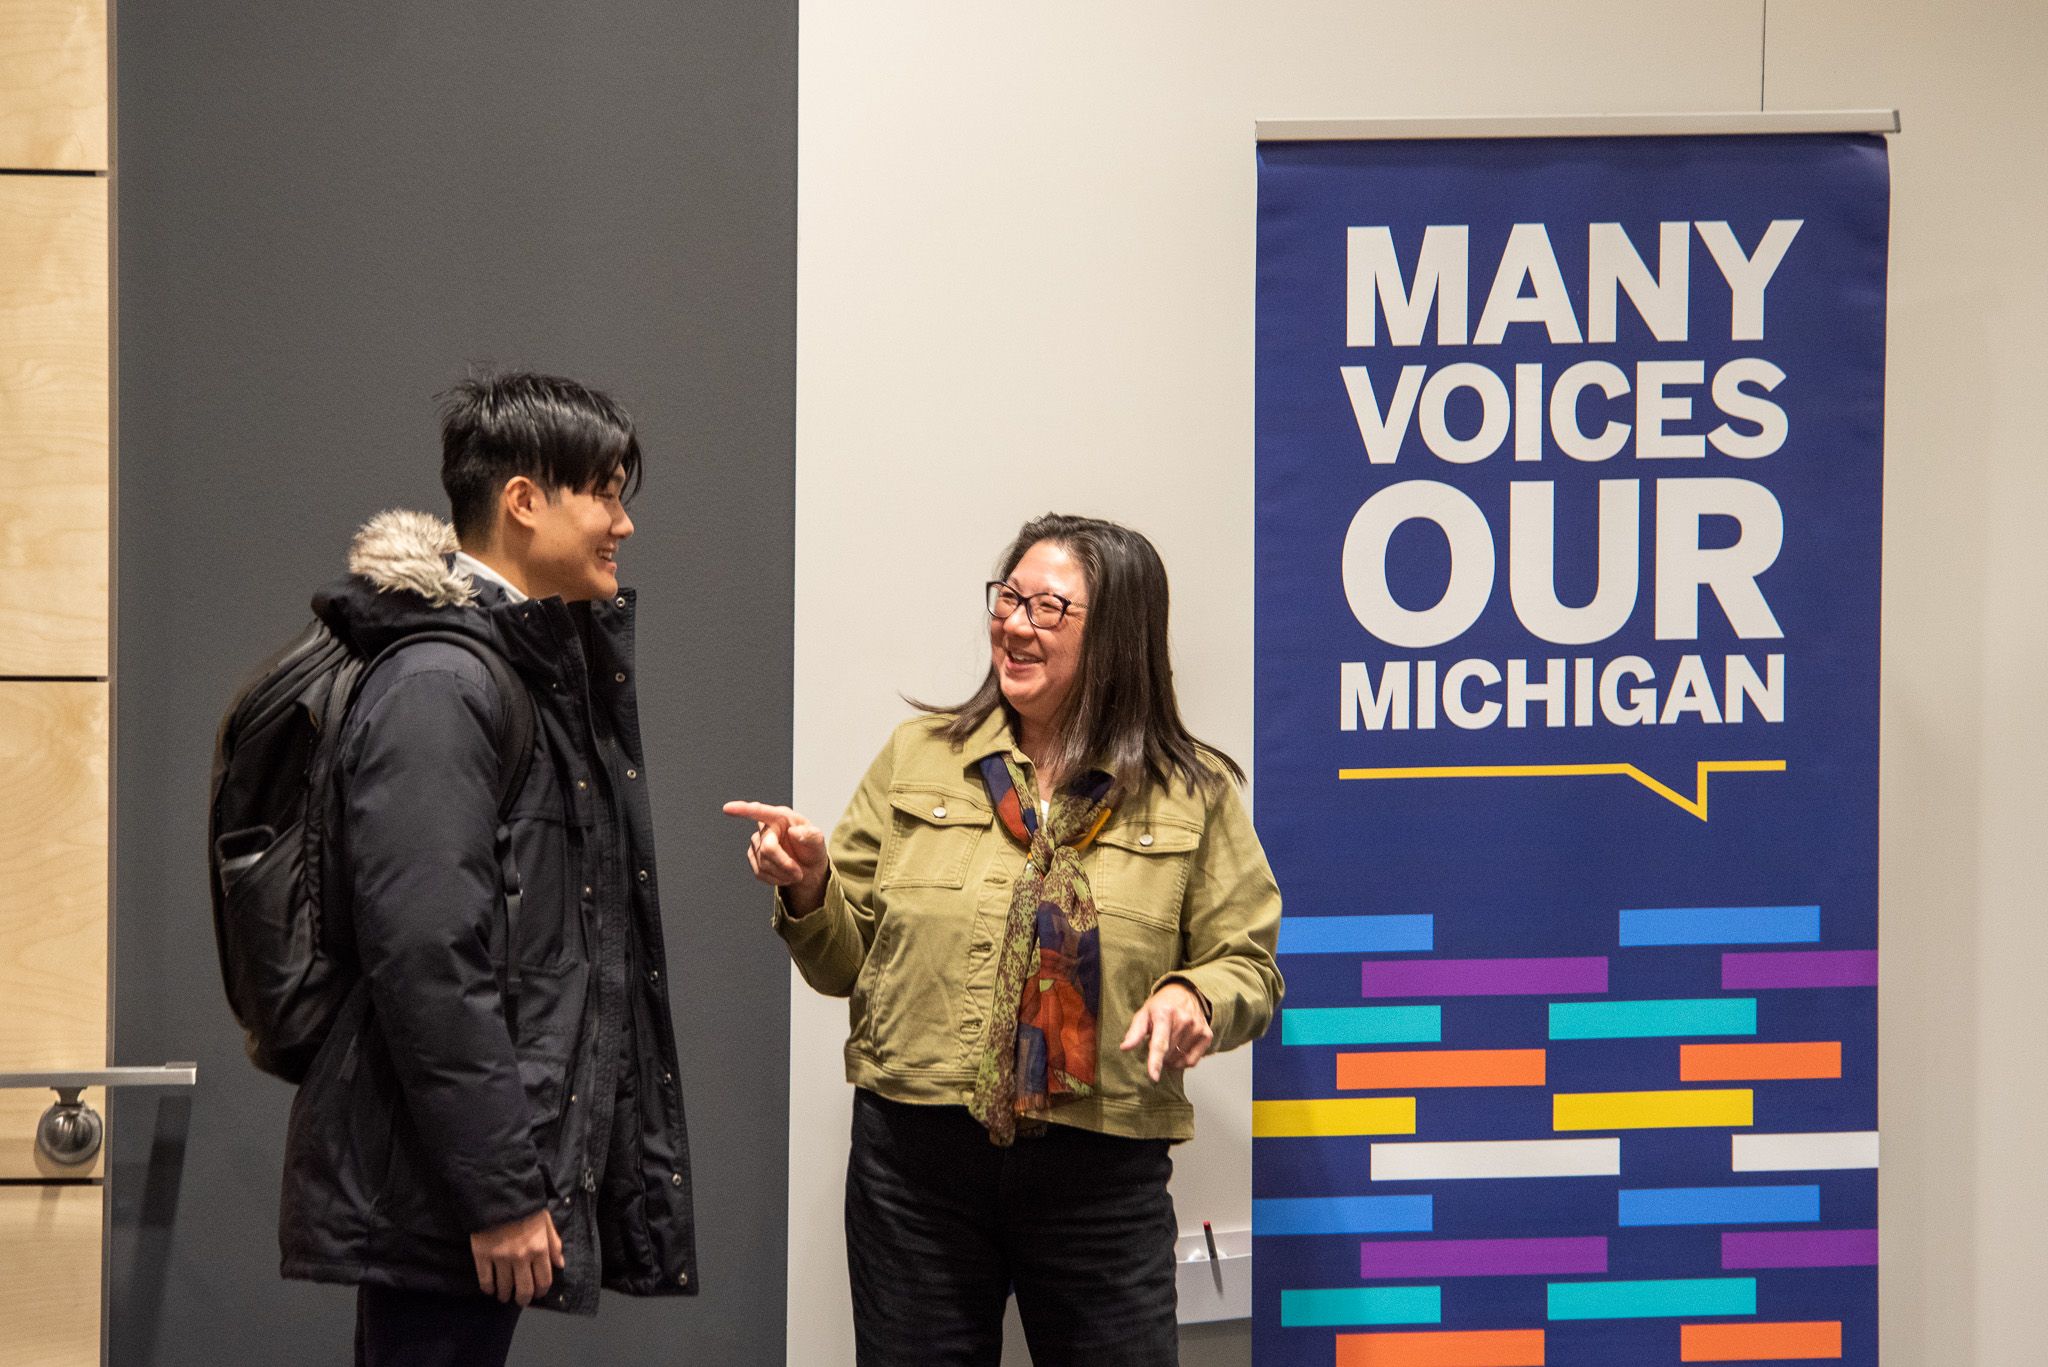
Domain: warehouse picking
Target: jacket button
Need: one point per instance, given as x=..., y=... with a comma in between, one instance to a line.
x=582, y=785
x=668, y=1080
x=588, y=890
x=643, y=875
x=1145, y=839
x=632, y=773
x=654, y=975
x=618, y=678
x=939, y=812
x=682, y=1279
x=675, y=1179
x=620, y=601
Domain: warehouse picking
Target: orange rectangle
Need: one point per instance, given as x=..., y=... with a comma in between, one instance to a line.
x=1464, y=1348
x=1402, y=1069
x=1748, y=1062
x=1756, y=1342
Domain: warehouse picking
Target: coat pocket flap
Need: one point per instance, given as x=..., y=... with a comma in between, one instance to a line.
x=1154, y=837
x=940, y=807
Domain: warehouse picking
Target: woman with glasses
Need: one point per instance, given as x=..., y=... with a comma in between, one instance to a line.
x=1046, y=904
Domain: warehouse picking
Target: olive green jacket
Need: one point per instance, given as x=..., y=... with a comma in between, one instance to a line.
x=920, y=889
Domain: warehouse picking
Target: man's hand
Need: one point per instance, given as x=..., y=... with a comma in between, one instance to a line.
x=1177, y=1025
x=517, y=1261
x=786, y=852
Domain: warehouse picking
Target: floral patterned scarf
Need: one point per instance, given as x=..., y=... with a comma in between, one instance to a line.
x=1040, y=1045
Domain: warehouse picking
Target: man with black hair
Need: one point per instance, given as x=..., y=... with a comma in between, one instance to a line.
x=494, y=1119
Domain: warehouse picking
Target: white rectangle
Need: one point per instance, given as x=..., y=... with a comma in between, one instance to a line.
x=1805, y=1152
x=1497, y=1158
x=1581, y=125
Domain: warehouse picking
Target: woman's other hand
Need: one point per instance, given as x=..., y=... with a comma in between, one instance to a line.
x=1173, y=1019
x=787, y=852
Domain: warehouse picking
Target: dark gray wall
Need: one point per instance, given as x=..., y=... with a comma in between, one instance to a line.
x=325, y=211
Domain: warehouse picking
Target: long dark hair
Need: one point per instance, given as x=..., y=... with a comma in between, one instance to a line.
x=1122, y=715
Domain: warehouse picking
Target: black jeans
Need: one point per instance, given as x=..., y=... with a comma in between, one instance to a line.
x=428, y=1329
x=941, y=1225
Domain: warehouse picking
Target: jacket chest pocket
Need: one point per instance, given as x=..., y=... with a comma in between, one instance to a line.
x=933, y=834
x=1140, y=870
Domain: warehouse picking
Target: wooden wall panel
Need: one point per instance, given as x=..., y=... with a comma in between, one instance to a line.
x=53, y=425
x=50, y=1275
x=53, y=85
x=53, y=894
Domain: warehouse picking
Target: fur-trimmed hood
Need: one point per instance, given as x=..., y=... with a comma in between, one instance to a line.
x=405, y=550
x=402, y=580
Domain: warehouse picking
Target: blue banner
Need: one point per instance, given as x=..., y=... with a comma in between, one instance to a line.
x=1569, y=478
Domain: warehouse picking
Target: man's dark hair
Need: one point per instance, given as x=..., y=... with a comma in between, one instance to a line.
x=556, y=432
x=1123, y=715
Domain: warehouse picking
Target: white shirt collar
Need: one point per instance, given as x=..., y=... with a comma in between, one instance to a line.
x=477, y=569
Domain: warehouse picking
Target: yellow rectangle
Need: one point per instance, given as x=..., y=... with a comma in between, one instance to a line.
x=1345, y=1115
x=1651, y=1110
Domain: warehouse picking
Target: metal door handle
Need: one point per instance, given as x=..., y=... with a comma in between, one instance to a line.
x=70, y=1132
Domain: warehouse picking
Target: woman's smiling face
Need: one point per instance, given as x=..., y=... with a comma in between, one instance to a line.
x=1037, y=667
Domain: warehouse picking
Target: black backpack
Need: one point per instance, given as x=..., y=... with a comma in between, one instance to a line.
x=288, y=964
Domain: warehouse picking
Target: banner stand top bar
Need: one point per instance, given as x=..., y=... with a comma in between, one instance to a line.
x=1582, y=125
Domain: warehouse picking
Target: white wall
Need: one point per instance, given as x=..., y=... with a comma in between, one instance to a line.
x=1025, y=282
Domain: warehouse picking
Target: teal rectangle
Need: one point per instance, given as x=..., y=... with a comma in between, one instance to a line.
x=1348, y=1305
x=1653, y=1019
x=1361, y=1024
x=1652, y=1300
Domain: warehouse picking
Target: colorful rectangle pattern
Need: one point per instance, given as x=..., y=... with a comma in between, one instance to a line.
x=1446, y=1348
x=1672, y=1297
x=1482, y=977
x=1760, y=1342
x=1341, y=1116
x=1441, y=1068
x=1720, y=926
x=1356, y=934
x=1397, y=1258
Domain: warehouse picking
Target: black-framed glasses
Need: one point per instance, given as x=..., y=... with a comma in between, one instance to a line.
x=1043, y=610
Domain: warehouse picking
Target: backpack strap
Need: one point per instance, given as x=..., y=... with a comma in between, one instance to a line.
x=514, y=734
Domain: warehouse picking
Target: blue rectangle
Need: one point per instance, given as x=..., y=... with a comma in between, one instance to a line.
x=1344, y=1215
x=1362, y=1025
x=1357, y=934
x=1721, y=926
x=1669, y=1018
x=1684, y=1297
x=1719, y=1206
x=1338, y=1306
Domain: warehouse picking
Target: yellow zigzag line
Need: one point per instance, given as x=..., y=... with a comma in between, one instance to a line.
x=1697, y=804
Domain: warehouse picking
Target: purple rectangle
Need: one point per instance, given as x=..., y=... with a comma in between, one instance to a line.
x=1800, y=1248
x=1801, y=968
x=1387, y=1258
x=1483, y=977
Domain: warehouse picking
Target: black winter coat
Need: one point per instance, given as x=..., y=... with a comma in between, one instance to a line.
x=427, y=1114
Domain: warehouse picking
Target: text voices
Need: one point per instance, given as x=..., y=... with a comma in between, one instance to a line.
x=1529, y=288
